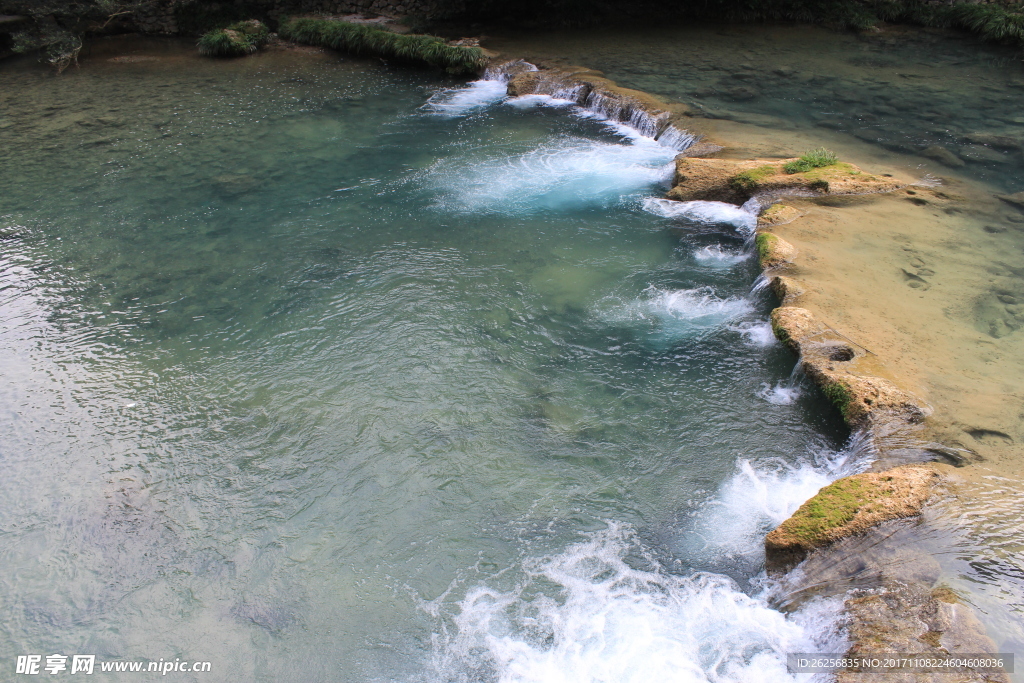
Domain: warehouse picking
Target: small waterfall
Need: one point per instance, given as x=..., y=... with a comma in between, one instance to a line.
x=757, y=333
x=706, y=212
x=784, y=392
x=676, y=138
x=615, y=107
x=563, y=90
x=506, y=70
x=761, y=283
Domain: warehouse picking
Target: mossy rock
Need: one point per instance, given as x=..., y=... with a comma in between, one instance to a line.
x=729, y=180
x=372, y=41
x=237, y=40
x=860, y=398
x=777, y=214
x=773, y=251
x=846, y=507
x=840, y=396
x=749, y=181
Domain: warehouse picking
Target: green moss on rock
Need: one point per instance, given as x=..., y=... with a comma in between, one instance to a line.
x=834, y=506
x=764, y=242
x=846, y=507
x=749, y=181
x=840, y=396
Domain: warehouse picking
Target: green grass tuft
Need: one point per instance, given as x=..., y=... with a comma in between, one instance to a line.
x=816, y=158
x=991, y=22
x=238, y=39
x=370, y=41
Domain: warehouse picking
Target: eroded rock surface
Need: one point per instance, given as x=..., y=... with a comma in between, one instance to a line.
x=825, y=356
x=908, y=619
x=729, y=180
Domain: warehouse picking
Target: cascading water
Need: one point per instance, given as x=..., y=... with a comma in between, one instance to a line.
x=605, y=608
x=614, y=108
x=473, y=409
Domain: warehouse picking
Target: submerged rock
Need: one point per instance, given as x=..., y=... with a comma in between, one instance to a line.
x=992, y=140
x=1017, y=198
x=942, y=155
x=846, y=507
x=701, y=149
x=984, y=155
x=915, y=620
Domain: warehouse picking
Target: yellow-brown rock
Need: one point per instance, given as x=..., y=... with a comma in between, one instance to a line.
x=846, y=507
x=778, y=214
x=786, y=289
x=729, y=180
x=825, y=357
x=773, y=251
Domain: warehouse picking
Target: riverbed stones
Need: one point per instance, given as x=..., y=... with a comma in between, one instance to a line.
x=943, y=156
x=914, y=619
x=847, y=507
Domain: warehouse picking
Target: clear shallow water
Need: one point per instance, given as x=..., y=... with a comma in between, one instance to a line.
x=315, y=382
x=903, y=89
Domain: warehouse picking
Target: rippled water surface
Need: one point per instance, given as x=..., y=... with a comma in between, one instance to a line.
x=920, y=100
x=316, y=382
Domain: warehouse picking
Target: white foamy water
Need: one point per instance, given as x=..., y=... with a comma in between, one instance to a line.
x=537, y=100
x=560, y=173
x=742, y=218
x=717, y=256
x=757, y=333
x=474, y=96
x=782, y=393
x=669, y=315
x=759, y=497
x=587, y=615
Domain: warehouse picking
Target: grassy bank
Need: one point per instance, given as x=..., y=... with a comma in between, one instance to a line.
x=369, y=41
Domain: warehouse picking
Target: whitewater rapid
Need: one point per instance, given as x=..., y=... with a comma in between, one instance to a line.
x=605, y=607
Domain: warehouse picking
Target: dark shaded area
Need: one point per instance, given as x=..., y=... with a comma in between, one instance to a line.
x=196, y=18
x=58, y=26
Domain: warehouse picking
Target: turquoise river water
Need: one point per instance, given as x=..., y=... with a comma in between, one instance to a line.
x=324, y=371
